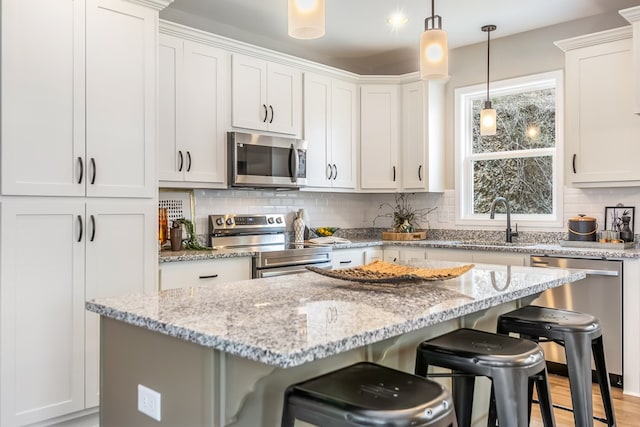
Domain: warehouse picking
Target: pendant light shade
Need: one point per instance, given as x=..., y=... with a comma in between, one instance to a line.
x=434, y=55
x=306, y=19
x=488, y=114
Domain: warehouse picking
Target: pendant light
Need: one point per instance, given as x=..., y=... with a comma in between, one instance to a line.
x=434, y=61
x=488, y=114
x=306, y=19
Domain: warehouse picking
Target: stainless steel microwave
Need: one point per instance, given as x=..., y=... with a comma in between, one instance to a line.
x=259, y=161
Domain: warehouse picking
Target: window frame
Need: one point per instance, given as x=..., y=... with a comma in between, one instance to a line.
x=463, y=98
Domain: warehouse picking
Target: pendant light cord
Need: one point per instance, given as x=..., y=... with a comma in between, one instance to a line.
x=433, y=11
x=488, y=59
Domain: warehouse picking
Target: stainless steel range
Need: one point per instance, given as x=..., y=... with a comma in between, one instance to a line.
x=266, y=234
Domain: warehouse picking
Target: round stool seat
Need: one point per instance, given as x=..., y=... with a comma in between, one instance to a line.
x=367, y=394
x=550, y=322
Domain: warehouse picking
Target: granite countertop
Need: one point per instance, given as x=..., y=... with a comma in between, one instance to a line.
x=290, y=320
x=525, y=248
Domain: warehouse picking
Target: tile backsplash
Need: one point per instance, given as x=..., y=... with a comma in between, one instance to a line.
x=347, y=210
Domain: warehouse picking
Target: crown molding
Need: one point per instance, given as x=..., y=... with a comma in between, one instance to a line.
x=615, y=34
x=632, y=14
x=153, y=4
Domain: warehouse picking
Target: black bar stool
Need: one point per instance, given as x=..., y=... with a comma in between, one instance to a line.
x=514, y=365
x=579, y=334
x=367, y=394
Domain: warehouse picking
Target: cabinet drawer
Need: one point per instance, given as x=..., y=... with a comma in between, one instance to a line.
x=200, y=273
x=347, y=258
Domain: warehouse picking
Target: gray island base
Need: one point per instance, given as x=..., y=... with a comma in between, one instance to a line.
x=223, y=356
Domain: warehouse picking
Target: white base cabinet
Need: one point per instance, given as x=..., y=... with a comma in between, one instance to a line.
x=193, y=112
x=204, y=273
x=55, y=254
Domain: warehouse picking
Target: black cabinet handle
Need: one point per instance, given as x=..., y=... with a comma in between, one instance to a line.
x=93, y=228
x=573, y=161
x=181, y=161
x=80, y=222
x=345, y=262
x=271, y=108
x=211, y=276
x=329, y=171
x=266, y=113
x=93, y=168
x=188, y=161
x=420, y=173
x=394, y=174
x=335, y=171
x=81, y=170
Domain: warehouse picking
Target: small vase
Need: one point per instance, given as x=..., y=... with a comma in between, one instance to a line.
x=625, y=231
x=298, y=228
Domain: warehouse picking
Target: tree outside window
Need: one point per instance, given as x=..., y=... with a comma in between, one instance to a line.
x=521, y=161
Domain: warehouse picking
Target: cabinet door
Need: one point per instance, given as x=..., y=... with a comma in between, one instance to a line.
x=203, y=118
x=121, y=102
x=249, y=91
x=42, y=89
x=413, y=137
x=344, y=116
x=371, y=255
x=170, y=75
x=317, y=129
x=204, y=273
x=379, y=137
x=501, y=258
x=284, y=95
x=410, y=256
x=450, y=255
x=602, y=142
x=121, y=258
x=41, y=310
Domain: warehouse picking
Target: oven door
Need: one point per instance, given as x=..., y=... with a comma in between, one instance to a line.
x=266, y=161
x=285, y=270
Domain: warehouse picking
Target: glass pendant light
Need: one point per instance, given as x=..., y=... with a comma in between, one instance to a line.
x=306, y=19
x=434, y=56
x=488, y=114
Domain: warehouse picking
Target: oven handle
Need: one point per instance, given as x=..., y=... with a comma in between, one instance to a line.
x=267, y=273
x=285, y=270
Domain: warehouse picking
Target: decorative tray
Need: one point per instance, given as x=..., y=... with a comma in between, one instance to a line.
x=385, y=273
x=596, y=245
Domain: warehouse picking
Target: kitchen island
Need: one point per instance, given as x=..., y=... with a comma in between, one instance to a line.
x=224, y=355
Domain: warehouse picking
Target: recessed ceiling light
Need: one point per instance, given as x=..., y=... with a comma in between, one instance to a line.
x=398, y=19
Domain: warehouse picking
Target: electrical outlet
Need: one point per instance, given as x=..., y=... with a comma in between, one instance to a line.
x=149, y=402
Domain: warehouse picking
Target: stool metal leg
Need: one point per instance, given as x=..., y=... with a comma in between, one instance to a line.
x=578, y=354
x=462, y=391
x=544, y=397
x=597, y=346
x=511, y=398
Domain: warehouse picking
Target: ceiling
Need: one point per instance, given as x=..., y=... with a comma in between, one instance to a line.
x=358, y=37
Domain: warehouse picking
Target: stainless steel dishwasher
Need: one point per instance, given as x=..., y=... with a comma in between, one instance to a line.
x=599, y=294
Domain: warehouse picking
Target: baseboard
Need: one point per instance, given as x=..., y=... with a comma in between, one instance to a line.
x=561, y=369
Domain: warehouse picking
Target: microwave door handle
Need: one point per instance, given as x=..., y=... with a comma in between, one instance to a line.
x=293, y=163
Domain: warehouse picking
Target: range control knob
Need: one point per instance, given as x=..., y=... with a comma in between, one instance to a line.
x=219, y=221
x=270, y=220
x=279, y=220
x=229, y=221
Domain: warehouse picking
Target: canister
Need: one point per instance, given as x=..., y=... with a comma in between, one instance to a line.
x=582, y=228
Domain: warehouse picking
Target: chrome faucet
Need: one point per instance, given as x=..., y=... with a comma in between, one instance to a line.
x=492, y=215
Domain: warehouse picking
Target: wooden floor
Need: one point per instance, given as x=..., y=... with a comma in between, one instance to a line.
x=627, y=408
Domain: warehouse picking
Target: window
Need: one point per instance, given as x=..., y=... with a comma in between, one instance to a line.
x=522, y=161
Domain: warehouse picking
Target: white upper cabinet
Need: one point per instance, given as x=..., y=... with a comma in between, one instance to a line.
x=422, y=144
x=193, y=112
x=121, y=99
x=632, y=15
x=78, y=98
x=43, y=138
x=602, y=130
x=330, y=128
x=379, y=137
x=266, y=96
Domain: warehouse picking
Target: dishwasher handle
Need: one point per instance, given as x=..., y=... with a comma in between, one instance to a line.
x=587, y=271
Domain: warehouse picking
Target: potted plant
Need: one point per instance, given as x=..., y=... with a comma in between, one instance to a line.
x=406, y=219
